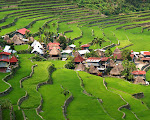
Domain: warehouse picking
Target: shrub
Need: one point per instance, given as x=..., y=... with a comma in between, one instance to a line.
x=70, y=65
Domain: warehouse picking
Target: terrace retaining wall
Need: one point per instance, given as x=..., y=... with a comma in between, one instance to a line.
x=67, y=102
x=138, y=95
x=0, y=113
x=12, y=114
x=109, y=46
x=78, y=37
x=5, y=79
x=32, y=72
x=126, y=46
x=51, y=69
x=22, y=99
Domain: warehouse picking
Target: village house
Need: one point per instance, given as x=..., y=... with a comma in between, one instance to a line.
x=16, y=40
x=78, y=59
x=54, y=44
x=100, y=63
x=6, y=60
x=7, y=39
x=117, y=55
x=55, y=53
x=37, y=48
x=93, y=70
x=83, y=52
x=68, y=48
x=100, y=52
x=85, y=47
x=7, y=49
x=116, y=71
x=21, y=33
x=139, y=73
x=66, y=53
x=80, y=67
x=146, y=56
x=140, y=80
x=72, y=46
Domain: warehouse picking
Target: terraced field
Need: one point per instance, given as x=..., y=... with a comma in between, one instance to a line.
x=88, y=95
x=79, y=24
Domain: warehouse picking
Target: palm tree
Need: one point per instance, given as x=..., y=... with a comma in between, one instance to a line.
x=80, y=43
x=98, y=41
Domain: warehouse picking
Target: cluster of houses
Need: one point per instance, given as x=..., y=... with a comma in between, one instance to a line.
x=95, y=65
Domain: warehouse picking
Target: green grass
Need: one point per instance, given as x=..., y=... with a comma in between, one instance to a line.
x=111, y=101
x=30, y=85
x=6, y=114
x=4, y=86
x=24, y=71
x=21, y=47
x=148, y=75
x=82, y=107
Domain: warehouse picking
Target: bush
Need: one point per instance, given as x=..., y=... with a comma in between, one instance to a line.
x=70, y=65
x=38, y=58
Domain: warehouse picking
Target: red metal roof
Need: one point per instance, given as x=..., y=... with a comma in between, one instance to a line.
x=148, y=58
x=50, y=48
x=146, y=53
x=4, y=53
x=104, y=58
x=5, y=60
x=138, y=72
x=118, y=56
x=23, y=31
x=94, y=58
x=78, y=59
x=85, y=45
x=49, y=44
x=132, y=56
x=13, y=59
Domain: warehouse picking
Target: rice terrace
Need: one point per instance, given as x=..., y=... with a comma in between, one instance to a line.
x=74, y=59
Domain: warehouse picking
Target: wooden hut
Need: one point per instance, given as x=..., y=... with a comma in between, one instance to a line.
x=68, y=48
x=111, y=63
x=93, y=70
x=1, y=48
x=139, y=80
x=7, y=39
x=31, y=39
x=80, y=67
x=76, y=53
x=78, y=59
x=54, y=53
x=16, y=40
x=116, y=71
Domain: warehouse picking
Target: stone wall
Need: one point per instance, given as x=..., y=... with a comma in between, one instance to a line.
x=24, y=116
x=51, y=69
x=67, y=102
x=22, y=99
x=138, y=95
x=12, y=114
x=0, y=113
x=5, y=79
x=126, y=46
x=32, y=72
x=109, y=46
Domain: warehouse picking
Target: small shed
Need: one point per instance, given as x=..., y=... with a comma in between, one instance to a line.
x=78, y=59
x=80, y=67
x=16, y=40
x=66, y=53
x=139, y=80
x=93, y=70
x=54, y=52
x=85, y=47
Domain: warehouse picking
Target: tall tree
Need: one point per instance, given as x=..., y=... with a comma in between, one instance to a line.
x=129, y=67
x=98, y=41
